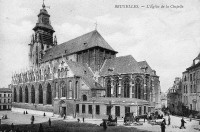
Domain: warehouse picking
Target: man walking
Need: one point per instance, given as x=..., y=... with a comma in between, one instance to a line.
x=162, y=126
x=169, y=120
x=182, y=123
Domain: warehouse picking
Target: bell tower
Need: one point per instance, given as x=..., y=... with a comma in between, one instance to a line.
x=43, y=27
x=42, y=40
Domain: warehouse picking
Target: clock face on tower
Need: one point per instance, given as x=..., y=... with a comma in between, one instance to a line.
x=45, y=20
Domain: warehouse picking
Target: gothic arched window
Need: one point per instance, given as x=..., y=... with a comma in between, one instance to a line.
x=49, y=94
x=126, y=87
x=76, y=90
x=70, y=89
x=63, y=89
x=138, y=88
x=116, y=86
x=40, y=94
x=66, y=70
x=20, y=94
x=32, y=94
x=62, y=72
x=58, y=72
x=109, y=87
x=26, y=94
x=15, y=95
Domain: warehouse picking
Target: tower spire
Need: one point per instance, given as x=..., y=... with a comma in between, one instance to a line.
x=43, y=5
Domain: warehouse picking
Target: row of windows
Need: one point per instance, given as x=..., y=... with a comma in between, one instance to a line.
x=108, y=109
x=5, y=100
x=4, y=95
x=89, y=109
x=192, y=89
x=137, y=91
x=192, y=76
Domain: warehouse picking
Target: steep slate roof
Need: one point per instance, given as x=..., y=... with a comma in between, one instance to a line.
x=120, y=65
x=86, y=41
x=85, y=73
x=143, y=64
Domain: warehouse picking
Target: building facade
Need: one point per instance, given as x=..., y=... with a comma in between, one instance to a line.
x=174, y=97
x=82, y=77
x=191, y=86
x=5, y=99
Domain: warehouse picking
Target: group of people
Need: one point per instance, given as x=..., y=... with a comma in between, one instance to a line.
x=163, y=123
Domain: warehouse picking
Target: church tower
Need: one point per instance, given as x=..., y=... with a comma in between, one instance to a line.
x=42, y=40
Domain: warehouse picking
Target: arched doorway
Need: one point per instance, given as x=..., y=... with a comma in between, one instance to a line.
x=32, y=94
x=49, y=94
x=26, y=94
x=40, y=94
x=20, y=94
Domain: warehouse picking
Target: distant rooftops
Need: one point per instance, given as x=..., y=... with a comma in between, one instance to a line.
x=5, y=90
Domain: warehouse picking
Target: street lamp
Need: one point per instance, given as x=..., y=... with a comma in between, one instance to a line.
x=93, y=99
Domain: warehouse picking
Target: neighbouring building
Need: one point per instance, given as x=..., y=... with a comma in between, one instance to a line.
x=163, y=99
x=174, y=97
x=83, y=77
x=191, y=86
x=5, y=99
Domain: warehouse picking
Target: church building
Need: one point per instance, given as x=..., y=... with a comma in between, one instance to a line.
x=82, y=77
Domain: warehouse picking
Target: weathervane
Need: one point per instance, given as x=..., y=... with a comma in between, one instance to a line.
x=43, y=5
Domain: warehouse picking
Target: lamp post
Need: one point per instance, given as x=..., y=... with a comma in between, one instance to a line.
x=75, y=108
x=93, y=99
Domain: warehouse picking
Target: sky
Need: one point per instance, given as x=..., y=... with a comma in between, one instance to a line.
x=167, y=38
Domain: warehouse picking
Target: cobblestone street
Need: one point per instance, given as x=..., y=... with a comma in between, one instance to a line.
x=20, y=118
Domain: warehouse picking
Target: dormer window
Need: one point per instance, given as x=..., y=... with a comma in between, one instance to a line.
x=110, y=69
x=85, y=43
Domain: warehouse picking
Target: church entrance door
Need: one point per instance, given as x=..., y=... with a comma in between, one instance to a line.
x=63, y=111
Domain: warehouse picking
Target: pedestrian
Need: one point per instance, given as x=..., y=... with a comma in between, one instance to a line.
x=169, y=120
x=12, y=126
x=116, y=119
x=182, y=123
x=32, y=119
x=41, y=128
x=104, y=125
x=64, y=116
x=83, y=119
x=162, y=126
x=49, y=122
x=44, y=114
x=78, y=120
x=190, y=117
x=164, y=121
x=24, y=113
